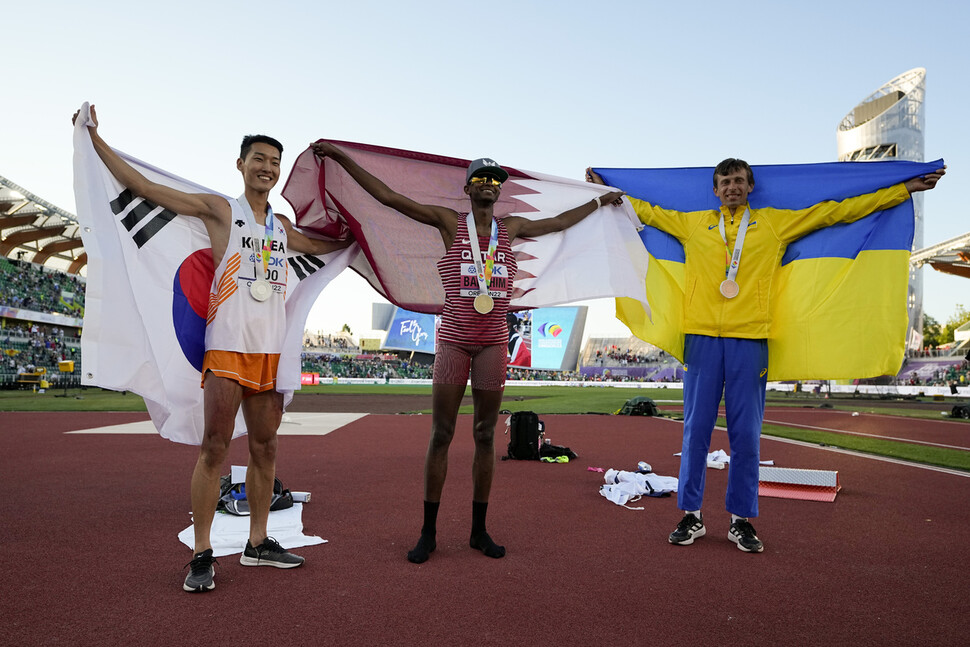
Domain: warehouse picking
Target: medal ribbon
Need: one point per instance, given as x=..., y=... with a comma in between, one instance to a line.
x=268, y=238
x=731, y=268
x=267, y=245
x=484, y=272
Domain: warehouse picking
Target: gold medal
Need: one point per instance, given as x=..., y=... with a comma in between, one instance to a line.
x=260, y=289
x=484, y=304
x=729, y=288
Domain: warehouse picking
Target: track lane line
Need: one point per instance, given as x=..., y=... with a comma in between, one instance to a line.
x=850, y=452
x=859, y=433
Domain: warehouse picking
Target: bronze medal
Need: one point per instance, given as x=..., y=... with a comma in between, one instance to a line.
x=729, y=288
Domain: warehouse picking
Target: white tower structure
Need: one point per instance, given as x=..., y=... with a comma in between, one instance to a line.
x=888, y=124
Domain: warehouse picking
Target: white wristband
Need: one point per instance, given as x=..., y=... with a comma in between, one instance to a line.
x=599, y=203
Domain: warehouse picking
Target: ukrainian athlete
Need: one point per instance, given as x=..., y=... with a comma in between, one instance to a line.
x=477, y=271
x=243, y=340
x=730, y=258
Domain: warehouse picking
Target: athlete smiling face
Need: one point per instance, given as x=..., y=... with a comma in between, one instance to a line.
x=733, y=188
x=260, y=167
x=483, y=193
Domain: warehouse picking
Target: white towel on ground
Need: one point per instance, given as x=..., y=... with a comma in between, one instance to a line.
x=229, y=533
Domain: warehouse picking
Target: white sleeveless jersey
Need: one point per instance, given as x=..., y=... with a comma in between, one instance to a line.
x=236, y=321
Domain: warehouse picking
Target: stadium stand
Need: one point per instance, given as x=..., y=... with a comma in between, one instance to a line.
x=934, y=371
x=32, y=355
x=32, y=298
x=330, y=365
x=627, y=359
x=33, y=347
x=34, y=287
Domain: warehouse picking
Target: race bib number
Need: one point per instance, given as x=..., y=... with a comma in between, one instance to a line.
x=275, y=273
x=497, y=289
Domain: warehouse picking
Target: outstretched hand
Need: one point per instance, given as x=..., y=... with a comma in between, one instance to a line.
x=94, y=117
x=593, y=176
x=324, y=149
x=925, y=182
x=613, y=197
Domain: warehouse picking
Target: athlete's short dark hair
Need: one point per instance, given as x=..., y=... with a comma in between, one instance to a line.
x=249, y=140
x=732, y=165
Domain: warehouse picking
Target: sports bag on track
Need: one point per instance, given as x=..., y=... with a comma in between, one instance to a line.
x=525, y=432
x=232, y=497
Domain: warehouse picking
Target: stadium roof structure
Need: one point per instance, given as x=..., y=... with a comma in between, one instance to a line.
x=33, y=229
x=887, y=124
x=951, y=256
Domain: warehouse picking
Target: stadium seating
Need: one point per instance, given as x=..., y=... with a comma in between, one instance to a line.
x=32, y=350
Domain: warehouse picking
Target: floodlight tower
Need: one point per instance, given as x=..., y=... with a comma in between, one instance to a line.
x=888, y=124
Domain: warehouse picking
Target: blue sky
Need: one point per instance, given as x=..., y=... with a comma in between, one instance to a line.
x=545, y=86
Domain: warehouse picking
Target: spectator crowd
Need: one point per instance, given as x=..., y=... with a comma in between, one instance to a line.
x=320, y=340
x=955, y=374
x=330, y=365
x=613, y=356
x=27, y=346
x=363, y=366
x=32, y=287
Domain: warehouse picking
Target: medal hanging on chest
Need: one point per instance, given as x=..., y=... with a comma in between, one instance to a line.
x=729, y=287
x=260, y=289
x=483, y=303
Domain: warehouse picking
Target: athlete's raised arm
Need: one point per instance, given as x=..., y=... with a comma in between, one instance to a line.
x=200, y=205
x=519, y=226
x=444, y=219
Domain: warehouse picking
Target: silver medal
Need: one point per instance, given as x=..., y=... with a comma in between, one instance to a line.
x=260, y=289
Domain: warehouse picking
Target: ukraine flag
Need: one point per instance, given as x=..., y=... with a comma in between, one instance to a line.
x=839, y=298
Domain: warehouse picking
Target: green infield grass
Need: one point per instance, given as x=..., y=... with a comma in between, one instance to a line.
x=83, y=399
x=941, y=456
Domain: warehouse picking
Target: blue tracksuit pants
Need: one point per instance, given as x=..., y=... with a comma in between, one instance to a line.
x=737, y=368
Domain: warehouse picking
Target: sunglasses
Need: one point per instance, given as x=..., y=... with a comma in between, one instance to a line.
x=485, y=180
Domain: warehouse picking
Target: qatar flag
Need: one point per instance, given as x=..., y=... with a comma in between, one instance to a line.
x=601, y=256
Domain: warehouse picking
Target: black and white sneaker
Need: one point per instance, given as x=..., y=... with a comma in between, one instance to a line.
x=201, y=572
x=269, y=553
x=742, y=533
x=689, y=528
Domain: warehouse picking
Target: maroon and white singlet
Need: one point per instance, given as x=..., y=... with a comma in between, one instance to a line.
x=460, y=323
